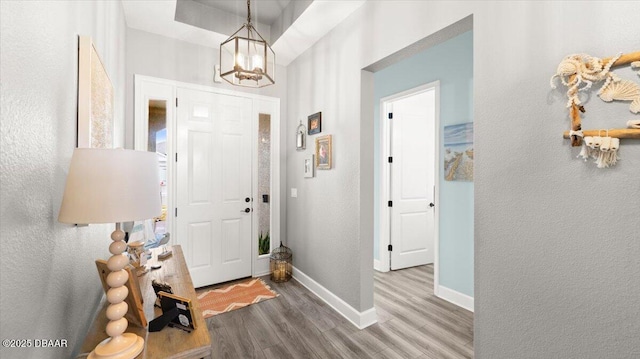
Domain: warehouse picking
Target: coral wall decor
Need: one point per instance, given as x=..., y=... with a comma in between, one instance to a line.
x=578, y=73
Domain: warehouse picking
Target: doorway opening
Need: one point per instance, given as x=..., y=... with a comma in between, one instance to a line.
x=434, y=300
x=443, y=60
x=219, y=152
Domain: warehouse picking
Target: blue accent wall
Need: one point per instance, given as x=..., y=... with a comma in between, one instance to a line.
x=450, y=62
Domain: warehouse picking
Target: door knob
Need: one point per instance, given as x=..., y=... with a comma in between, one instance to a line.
x=246, y=210
x=431, y=204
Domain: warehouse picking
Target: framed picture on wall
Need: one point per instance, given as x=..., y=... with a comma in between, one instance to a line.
x=324, y=156
x=315, y=123
x=458, y=152
x=95, y=98
x=308, y=166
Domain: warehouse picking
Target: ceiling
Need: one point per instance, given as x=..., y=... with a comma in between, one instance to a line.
x=262, y=11
x=291, y=26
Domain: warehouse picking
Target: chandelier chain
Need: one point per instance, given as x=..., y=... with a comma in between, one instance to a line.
x=248, y=11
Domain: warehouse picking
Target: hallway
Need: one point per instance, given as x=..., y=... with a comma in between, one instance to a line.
x=418, y=321
x=413, y=323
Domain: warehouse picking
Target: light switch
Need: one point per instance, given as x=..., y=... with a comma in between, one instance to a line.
x=294, y=192
x=216, y=74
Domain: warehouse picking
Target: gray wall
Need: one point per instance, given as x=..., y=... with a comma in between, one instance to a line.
x=323, y=222
x=50, y=287
x=557, y=240
x=162, y=57
x=158, y=56
x=554, y=277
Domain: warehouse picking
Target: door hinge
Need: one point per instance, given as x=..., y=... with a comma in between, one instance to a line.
x=176, y=156
x=390, y=159
x=390, y=203
x=391, y=115
x=390, y=248
x=176, y=211
x=176, y=102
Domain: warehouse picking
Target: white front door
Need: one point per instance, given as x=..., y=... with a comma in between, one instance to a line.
x=412, y=179
x=214, y=185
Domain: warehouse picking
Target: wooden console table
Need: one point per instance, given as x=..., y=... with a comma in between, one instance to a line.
x=169, y=342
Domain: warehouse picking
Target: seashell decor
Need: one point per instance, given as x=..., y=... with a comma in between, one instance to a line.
x=623, y=90
x=578, y=73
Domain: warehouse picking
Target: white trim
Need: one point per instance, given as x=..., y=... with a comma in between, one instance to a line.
x=436, y=199
x=191, y=86
x=377, y=265
x=146, y=89
x=261, y=274
x=455, y=297
x=269, y=107
x=359, y=319
x=385, y=180
x=384, y=235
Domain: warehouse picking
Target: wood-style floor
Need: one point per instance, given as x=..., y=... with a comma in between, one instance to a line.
x=412, y=323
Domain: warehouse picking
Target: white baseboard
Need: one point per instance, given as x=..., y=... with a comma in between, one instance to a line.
x=359, y=319
x=455, y=297
x=268, y=272
x=377, y=265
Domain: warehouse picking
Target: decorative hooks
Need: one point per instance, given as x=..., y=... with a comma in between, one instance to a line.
x=300, y=136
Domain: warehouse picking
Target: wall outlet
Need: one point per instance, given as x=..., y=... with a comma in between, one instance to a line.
x=294, y=192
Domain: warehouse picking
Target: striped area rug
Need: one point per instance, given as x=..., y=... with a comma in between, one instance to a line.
x=234, y=296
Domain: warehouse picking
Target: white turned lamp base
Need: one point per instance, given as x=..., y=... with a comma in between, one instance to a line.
x=126, y=346
x=119, y=345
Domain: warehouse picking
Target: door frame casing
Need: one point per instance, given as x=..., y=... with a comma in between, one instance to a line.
x=260, y=103
x=165, y=91
x=260, y=264
x=383, y=264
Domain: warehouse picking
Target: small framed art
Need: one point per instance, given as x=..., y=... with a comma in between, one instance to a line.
x=135, y=311
x=185, y=318
x=308, y=166
x=323, y=152
x=458, y=152
x=315, y=123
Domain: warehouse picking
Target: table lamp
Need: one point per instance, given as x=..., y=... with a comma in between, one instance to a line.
x=113, y=186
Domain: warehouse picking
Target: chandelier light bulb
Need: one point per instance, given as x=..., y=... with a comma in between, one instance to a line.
x=241, y=61
x=256, y=63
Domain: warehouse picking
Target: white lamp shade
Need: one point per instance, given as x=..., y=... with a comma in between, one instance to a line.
x=111, y=185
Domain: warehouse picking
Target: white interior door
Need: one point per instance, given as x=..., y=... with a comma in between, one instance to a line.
x=412, y=179
x=214, y=185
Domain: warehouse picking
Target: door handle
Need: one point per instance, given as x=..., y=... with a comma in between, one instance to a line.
x=431, y=204
x=246, y=210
